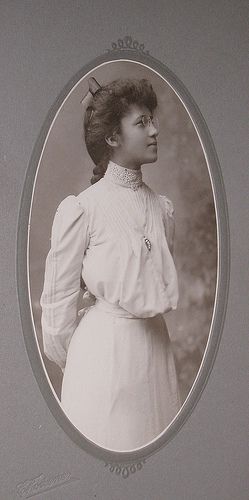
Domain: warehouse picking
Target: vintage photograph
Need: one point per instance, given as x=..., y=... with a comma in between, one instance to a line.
x=122, y=255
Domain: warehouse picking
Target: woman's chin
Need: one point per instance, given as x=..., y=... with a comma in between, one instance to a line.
x=152, y=158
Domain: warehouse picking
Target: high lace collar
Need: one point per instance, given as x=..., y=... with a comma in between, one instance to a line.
x=123, y=176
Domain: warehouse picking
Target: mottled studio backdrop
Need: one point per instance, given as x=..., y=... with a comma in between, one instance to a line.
x=180, y=172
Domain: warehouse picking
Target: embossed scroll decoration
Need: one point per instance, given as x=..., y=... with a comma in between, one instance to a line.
x=125, y=470
x=128, y=43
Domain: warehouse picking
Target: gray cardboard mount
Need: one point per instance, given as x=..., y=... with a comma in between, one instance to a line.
x=43, y=45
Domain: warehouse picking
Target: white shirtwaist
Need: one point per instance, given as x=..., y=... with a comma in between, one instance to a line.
x=119, y=386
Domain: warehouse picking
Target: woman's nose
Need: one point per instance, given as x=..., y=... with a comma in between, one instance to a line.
x=153, y=130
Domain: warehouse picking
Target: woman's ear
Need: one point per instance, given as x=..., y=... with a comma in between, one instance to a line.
x=112, y=140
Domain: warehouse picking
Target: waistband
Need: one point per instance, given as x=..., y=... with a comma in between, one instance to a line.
x=115, y=309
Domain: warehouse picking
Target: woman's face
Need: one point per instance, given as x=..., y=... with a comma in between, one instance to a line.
x=136, y=144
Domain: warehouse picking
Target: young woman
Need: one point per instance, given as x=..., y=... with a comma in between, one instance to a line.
x=119, y=385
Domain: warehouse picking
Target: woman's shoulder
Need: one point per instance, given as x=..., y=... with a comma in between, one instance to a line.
x=69, y=214
x=90, y=193
x=73, y=204
x=69, y=207
x=166, y=204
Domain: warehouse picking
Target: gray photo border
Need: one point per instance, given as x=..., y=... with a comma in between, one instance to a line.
x=136, y=54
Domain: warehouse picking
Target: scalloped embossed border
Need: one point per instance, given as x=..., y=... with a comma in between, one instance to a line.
x=123, y=460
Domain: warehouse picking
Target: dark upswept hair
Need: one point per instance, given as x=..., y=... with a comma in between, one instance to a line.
x=108, y=106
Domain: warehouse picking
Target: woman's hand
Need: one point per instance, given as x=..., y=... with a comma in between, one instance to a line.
x=88, y=300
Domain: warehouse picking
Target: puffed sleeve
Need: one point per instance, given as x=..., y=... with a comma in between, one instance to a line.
x=169, y=221
x=61, y=289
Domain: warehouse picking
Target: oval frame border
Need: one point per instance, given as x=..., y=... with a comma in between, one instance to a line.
x=223, y=263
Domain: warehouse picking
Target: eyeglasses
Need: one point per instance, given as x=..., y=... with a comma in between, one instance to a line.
x=148, y=120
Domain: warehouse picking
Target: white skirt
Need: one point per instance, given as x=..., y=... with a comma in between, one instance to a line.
x=120, y=387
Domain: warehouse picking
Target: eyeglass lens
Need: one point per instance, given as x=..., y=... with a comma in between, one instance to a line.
x=148, y=120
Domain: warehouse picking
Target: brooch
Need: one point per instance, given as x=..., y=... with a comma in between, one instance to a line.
x=147, y=243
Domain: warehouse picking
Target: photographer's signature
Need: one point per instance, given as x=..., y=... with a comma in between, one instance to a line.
x=42, y=483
